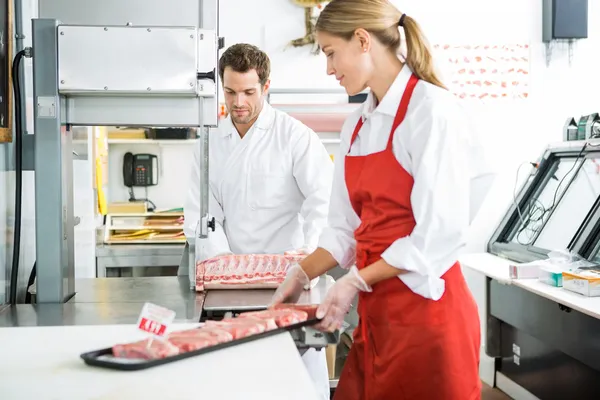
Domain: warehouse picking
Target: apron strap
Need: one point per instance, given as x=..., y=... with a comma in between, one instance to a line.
x=402, y=108
x=356, y=130
x=400, y=113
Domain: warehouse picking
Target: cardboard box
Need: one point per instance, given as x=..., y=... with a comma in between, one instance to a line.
x=551, y=276
x=583, y=281
x=524, y=271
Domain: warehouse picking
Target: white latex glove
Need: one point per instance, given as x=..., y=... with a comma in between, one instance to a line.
x=291, y=288
x=304, y=251
x=338, y=300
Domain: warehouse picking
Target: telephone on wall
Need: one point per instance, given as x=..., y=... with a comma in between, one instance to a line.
x=140, y=170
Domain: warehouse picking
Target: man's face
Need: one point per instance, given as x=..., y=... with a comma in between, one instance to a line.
x=243, y=95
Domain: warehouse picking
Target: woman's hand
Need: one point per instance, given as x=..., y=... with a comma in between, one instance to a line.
x=293, y=285
x=338, y=300
x=299, y=276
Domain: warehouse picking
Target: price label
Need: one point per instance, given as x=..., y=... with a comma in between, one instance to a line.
x=155, y=319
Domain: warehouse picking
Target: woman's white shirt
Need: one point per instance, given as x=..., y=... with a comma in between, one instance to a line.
x=437, y=146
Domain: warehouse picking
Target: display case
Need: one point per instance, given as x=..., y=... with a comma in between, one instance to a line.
x=548, y=348
x=557, y=208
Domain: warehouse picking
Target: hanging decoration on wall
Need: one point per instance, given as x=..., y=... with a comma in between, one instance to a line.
x=485, y=71
x=312, y=9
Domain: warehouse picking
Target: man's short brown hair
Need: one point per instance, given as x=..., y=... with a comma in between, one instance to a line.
x=244, y=57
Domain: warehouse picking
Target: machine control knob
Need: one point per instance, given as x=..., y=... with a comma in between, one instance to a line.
x=206, y=75
x=211, y=224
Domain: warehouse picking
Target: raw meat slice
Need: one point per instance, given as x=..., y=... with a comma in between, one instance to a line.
x=237, y=327
x=283, y=317
x=221, y=334
x=310, y=309
x=245, y=270
x=267, y=321
x=191, y=343
x=157, y=349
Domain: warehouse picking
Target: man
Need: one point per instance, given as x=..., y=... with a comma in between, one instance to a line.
x=269, y=176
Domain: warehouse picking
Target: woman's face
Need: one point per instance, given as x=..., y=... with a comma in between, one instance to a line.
x=347, y=60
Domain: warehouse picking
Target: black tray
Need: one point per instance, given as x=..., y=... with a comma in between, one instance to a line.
x=103, y=358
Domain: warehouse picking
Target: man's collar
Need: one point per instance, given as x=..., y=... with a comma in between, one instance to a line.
x=263, y=122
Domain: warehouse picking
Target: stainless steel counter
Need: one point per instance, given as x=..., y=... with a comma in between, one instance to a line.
x=83, y=314
x=139, y=250
x=106, y=301
x=166, y=289
x=109, y=257
x=109, y=301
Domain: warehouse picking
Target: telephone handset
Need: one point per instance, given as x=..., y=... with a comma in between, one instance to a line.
x=140, y=169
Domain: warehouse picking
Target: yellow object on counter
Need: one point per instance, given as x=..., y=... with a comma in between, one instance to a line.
x=102, y=208
x=101, y=153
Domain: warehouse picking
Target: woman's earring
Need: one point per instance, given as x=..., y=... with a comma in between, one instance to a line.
x=365, y=49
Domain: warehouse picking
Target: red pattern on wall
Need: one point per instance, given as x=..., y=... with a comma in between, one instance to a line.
x=485, y=71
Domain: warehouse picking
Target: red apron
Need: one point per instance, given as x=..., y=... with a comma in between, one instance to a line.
x=405, y=346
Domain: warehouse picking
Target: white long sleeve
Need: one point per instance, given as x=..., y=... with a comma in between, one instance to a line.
x=439, y=199
x=433, y=145
x=338, y=237
x=313, y=171
x=216, y=243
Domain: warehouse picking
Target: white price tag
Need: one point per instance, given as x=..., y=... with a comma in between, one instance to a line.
x=155, y=319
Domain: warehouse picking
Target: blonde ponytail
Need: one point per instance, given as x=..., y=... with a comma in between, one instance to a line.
x=418, y=54
x=381, y=19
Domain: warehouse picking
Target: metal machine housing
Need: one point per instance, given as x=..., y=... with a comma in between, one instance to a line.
x=106, y=73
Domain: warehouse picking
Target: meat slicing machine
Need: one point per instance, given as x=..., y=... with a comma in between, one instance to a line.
x=166, y=76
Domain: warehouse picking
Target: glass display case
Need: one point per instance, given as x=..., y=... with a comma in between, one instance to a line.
x=556, y=208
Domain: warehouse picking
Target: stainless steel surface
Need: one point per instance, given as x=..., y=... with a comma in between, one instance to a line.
x=134, y=110
x=142, y=109
x=202, y=230
x=53, y=176
x=228, y=300
x=119, y=12
x=231, y=300
x=110, y=301
x=136, y=68
x=135, y=290
x=85, y=314
x=207, y=61
x=187, y=265
x=137, y=255
x=135, y=250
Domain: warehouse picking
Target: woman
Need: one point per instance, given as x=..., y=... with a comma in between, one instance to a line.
x=399, y=211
